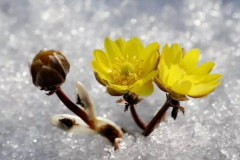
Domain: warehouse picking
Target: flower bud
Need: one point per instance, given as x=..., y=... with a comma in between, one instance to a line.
x=49, y=69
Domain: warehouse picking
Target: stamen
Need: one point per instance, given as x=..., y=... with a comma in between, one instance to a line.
x=125, y=70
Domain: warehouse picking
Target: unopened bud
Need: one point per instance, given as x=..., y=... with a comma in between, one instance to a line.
x=49, y=69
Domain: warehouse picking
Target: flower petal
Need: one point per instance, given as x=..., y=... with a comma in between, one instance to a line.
x=178, y=97
x=152, y=47
x=163, y=71
x=149, y=77
x=150, y=63
x=98, y=68
x=144, y=90
x=190, y=60
x=100, y=80
x=165, y=56
x=175, y=54
x=182, y=87
x=201, y=89
x=111, y=49
x=133, y=48
x=120, y=89
x=212, y=78
x=113, y=91
x=121, y=43
x=101, y=58
x=71, y=124
x=204, y=69
x=175, y=74
x=160, y=85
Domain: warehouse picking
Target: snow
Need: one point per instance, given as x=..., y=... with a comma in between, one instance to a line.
x=211, y=126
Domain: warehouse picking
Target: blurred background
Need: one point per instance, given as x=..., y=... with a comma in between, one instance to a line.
x=210, y=127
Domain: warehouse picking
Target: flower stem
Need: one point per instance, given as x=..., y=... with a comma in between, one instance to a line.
x=150, y=127
x=157, y=118
x=136, y=118
x=71, y=106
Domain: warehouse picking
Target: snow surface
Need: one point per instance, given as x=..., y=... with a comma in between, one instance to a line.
x=210, y=128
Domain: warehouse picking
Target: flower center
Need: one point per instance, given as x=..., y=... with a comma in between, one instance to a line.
x=125, y=70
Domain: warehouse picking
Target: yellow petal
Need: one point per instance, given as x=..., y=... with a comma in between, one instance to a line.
x=101, y=58
x=150, y=63
x=178, y=59
x=165, y=82
x=197, y=89
x=178, y=97
x=203, y=89
x=149, y=77
x=204, y=69
x=140, y=82
x=190, y=60
x=121, y=44
x=175, y=74
x=120, y=87
x=175, y=54
x=100, y=80
x=165, y=56
x=115, y=92
x=133, y=48
x=111, y=49
x=212, y=78
x=208, y=91
x=144, y=90
x=164, y=71
x=94, y=55
x=150, y=48
x=182, y=87
x=101, y=77
x=190, y=78
x=160, y=85
x=211, y=87
x=97, y=68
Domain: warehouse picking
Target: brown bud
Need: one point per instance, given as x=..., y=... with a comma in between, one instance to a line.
x=49, y=69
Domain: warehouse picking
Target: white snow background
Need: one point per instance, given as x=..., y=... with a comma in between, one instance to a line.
x=210, y=129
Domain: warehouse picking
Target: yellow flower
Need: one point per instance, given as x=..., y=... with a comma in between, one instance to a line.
x=126, y=66
x=180, y=76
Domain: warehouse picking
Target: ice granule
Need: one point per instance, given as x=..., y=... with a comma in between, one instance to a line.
x=209, y=130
